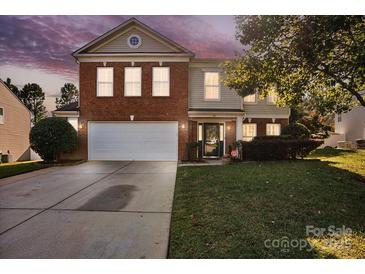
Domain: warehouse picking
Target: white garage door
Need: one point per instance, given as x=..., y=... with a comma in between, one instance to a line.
x=153, y=141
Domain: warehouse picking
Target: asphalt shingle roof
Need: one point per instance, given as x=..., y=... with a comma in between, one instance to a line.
x=70, y=107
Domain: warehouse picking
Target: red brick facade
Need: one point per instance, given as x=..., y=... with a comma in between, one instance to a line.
x=144, y=108
x=193, y=131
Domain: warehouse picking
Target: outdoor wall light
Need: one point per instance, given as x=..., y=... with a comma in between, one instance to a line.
x=228, y=127
x=131, y=117
x=182, y=125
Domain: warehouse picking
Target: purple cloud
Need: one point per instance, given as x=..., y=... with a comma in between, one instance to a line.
x=46, y=42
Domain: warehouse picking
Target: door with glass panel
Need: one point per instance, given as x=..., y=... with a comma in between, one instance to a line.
x=211, y=140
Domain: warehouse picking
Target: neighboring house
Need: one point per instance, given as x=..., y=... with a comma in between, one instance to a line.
x=69, y=112
x=351, y=125
x=15, y=123
x=144, y=97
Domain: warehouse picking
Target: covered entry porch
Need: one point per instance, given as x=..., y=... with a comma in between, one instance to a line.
x=214, y=131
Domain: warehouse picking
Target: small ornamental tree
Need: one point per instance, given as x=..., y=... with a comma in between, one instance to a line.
x=296, y=130
x=52, y=136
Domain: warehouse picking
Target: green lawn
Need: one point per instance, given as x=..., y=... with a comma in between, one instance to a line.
x=11, y=169
x=353, y=161
x=230, y=211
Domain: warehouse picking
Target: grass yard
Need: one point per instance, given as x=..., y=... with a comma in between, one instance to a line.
x=353, y=161
x=11, y=169
x=261, y=210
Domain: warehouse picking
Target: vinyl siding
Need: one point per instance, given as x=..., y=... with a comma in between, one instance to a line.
x=264, y=110
x=120, y=44
x=14, y=133
x=228, y=98
x=352, y=124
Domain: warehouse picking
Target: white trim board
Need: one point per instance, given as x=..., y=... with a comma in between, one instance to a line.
x=129, y=58
x=267, y=116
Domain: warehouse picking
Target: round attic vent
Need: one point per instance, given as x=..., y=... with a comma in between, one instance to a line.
x=134, y=41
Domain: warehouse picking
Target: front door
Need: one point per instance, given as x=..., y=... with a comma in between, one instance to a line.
x=211, y=140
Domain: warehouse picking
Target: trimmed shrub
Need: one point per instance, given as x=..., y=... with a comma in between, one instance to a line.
x=296, y=130
x=52, y=136
x=275, y=149
x=267, y=137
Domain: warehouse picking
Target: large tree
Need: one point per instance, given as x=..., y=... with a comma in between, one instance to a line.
x=69, y=94
x=33, y=98
x=320, y=58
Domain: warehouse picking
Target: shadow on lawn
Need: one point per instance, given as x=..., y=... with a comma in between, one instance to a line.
x=330, y=152
x=333, y=164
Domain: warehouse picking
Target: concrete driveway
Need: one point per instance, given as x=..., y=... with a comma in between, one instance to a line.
x=92, y=210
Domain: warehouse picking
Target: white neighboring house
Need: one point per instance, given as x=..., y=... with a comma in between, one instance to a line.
x=351, y=124
x=349, y=127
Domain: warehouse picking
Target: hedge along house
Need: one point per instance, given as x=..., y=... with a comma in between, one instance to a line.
x=144, y=97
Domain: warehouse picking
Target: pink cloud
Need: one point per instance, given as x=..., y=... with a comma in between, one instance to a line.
x=46, y=42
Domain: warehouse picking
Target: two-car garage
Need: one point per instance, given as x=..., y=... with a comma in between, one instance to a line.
x=137, y=141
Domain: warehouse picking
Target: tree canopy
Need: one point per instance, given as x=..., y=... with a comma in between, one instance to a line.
x=33, y=97
x=69, y=94
x=317, y=58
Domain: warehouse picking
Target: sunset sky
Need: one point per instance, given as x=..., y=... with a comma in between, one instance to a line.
x=38, y=48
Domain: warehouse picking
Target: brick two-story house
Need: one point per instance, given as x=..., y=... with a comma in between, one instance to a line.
x=144, y=97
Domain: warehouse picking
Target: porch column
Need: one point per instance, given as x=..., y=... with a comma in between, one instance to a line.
x=239, y=128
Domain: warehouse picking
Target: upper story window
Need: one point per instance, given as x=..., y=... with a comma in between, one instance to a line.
x=134, y=41
x=161, y=81
x=272, y=97
x=132, y=81
x=273, y=129
x=211, y=86
x=248, y=131
x=104, y=82
x=1, y=116
x=250, y=98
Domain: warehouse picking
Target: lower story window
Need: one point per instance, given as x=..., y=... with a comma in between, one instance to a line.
x=273, y=129
x=74, y=122
x=248, y=132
